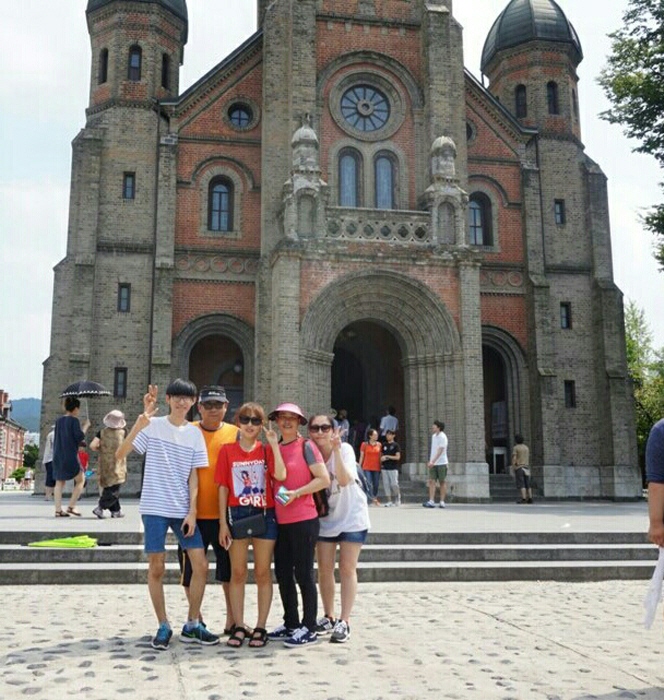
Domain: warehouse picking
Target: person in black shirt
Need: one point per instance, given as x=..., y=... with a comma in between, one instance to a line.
x=389, y=466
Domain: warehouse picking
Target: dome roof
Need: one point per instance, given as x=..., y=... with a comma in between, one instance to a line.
x=177, y=7
x=529, y=20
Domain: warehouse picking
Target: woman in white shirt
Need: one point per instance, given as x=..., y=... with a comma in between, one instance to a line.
x=346, y=527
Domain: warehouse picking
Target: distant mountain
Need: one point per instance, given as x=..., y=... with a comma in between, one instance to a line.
x=26, y=412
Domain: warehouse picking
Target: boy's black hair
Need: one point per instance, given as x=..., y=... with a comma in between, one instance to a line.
x=440, y=424
x=518, y=439
x=182, y=387
x=71, y=404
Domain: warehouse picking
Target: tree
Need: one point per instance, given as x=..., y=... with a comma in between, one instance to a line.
x=646, y=370
x=633, y=81
x=30, y=456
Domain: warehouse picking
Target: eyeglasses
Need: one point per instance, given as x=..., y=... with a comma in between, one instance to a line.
x=325, y=428
x=245, y=420
x=212, y=405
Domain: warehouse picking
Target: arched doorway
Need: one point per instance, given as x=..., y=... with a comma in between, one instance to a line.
x=496, y=423
x=367, y=376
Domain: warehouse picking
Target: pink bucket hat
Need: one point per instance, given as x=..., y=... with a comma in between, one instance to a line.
x=290, y=408
x=115, y=419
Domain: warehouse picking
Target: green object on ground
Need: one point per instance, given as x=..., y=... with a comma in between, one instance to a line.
x=79, y=541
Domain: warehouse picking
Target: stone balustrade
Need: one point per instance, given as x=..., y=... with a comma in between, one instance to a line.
x=378, y=225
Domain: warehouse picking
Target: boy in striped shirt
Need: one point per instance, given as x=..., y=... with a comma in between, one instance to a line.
x=174, y=450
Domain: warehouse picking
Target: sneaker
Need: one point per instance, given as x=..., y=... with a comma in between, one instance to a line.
x=388, y=505
x=99, y=512
x=324, y=625
x=429, y=504
x=163, y=636
x=441, y=504
x=398, y=503
x=281, y=632
x=529, y=500
x=341, y=632
x=302, y=637
x=198, y=635
x=117, y=514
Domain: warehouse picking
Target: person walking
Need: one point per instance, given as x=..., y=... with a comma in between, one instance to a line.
x=47, y=461
x=174, y=452
x=112, y=472
x=370, y=453
x=437, y=465
x=69, y=434
x=245, y=492
x=521, y=469
x=301, y=473
x=655, y=478
x=343, y=530
x=389, y=469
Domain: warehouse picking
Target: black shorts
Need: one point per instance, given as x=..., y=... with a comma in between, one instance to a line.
x=210, y=534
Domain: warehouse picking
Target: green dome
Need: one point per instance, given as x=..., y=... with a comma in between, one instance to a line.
x=529, y=20
x=177, y=7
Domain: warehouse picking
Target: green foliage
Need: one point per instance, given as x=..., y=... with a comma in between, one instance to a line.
x=30, y=456
x=646, y=370
x=18, y=474
x=633, y=81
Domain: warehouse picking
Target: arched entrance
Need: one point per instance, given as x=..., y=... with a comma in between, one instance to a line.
x=367, y=376
x=217, y=359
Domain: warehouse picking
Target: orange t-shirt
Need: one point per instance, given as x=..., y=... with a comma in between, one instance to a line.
x=207, y=505
x=372, y=453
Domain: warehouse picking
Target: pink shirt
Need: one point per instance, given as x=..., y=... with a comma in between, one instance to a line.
x=297, y=459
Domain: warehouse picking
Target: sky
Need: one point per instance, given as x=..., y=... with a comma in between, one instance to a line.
x=45, y=72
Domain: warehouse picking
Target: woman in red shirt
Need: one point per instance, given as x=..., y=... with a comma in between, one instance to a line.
x=245, y=489
x=370, y=454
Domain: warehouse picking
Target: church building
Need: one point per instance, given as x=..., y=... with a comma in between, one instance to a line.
x=341, y=215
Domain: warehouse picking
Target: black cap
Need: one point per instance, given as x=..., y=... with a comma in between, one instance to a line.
x=213, y=393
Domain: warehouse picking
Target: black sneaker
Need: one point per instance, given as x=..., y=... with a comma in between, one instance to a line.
x=302, y=637
x=324, y=625
x=163, y=636
x=198, y=635
x=341, y=632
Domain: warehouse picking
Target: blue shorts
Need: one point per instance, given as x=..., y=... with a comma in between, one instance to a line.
x=239, y=512
x=359, y=537
x=156, y=527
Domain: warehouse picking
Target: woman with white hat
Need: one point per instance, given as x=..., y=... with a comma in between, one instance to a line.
x=112, y=472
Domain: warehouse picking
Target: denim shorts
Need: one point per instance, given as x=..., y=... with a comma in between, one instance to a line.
x=239, y=512
x=156, y=527
x=359, y=537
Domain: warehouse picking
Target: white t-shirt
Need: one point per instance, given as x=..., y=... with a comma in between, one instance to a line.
x=349, y=511
x=437, y=441
x=389, y=422
x=171, y=452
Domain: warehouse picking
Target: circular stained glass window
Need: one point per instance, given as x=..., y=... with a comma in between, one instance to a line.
x=365, y=108
x=240, y=115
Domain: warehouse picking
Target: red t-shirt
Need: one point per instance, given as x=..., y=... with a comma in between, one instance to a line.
x=297, y=458
x=245, y=475
x=372, y=453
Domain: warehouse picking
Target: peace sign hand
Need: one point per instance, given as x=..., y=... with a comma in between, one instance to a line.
x=271, y=435
x=336, y=438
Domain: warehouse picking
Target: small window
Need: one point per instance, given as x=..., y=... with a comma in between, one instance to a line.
x=135, y=60
x=120, y=383
x=129, y=186
x=521, y=102
x=350, y=167
x=124, y=297
x=220, y=205
x=570, y=394
x=552, y=97
x=575, y=105
x=384, y=172
x=565, y=314
x=102, y=76
x=240, y=115
x=559, y=212
x=165, y=71
x=479, y=220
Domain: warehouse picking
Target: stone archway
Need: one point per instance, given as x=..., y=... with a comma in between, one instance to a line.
x=422, y=327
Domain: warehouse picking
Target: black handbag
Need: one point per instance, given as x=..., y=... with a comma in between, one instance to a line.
x=251, y=526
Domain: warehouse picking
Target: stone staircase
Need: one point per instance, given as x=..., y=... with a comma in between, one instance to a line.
x=387, y=557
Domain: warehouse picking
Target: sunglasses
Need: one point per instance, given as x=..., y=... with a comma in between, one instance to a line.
x=325, y=428
x=245, y=420
x=212, y=405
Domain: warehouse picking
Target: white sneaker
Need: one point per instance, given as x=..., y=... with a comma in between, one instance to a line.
x=388, y=505
x=441, y=504
x=429, y=504
x=341, y=632
x=99, y=512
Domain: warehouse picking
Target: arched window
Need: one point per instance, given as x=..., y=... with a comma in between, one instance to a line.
x=165, y=71
x=479, y=220
x=102, y=75
x=135, y=60
x=385, y=179
x=552, y=97
x=520, y=101
x=350, y=173
x=220, y=205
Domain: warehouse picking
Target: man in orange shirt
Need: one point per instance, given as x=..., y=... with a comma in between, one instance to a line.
x=212, y=405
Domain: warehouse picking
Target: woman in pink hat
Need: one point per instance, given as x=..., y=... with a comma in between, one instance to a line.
x=112, y=472
x=303, y=473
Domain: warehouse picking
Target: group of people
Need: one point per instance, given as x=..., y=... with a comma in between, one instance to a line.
x=65, y=459
x=218, y=484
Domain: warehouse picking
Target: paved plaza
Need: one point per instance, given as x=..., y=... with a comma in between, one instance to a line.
x=516, y=641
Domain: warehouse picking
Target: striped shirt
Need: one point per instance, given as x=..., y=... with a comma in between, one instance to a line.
x=171, y=452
